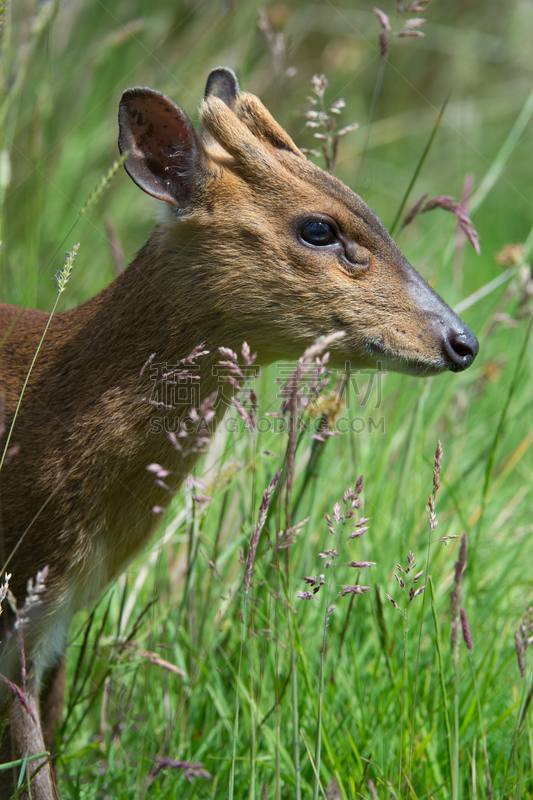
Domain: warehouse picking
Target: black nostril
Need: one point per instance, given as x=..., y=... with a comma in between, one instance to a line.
x=461, y=349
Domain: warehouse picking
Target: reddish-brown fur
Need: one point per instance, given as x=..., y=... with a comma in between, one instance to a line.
x=227, y=263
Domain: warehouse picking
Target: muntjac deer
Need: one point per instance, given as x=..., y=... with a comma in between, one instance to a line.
x=254, y=243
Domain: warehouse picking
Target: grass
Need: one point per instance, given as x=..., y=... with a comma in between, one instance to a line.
x=174, y=664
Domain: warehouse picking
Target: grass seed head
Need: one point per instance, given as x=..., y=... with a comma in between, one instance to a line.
x=455, y=600
x=62, y=276
x=467, y=636
x=258, y=527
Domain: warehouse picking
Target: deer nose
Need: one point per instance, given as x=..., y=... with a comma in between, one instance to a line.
x=460, y=348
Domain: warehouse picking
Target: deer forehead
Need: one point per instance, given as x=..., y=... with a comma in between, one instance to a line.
x=285, y=188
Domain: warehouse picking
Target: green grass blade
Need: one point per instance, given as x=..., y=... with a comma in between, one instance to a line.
x=503, y=156
x=499, y=430
x=395, y=225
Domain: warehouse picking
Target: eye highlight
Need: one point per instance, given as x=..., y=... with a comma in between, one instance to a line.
x=317, y=233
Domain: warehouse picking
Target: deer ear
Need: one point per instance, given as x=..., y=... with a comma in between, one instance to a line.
x=222, y=83
x=164, y=150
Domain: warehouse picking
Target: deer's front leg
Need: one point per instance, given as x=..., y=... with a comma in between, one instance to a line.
x=23, y=736
x=52, y=698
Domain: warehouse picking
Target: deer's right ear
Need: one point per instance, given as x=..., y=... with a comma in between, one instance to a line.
x=164, y=150
x=222, y=82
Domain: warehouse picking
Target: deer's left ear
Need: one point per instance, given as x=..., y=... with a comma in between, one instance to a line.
x=165, y=153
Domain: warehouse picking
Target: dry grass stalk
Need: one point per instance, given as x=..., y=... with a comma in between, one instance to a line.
x=324, y=121
x=246, y=404
x=455, y=598
x=190, y=770
x=295, y=400
x=436, y=485
x=258, y=527
x=524, y=640
x=115, y=247
x=408, y=584
x=467, y=635
x=277, y=46
x=447, y=204
x=337, y=528
x=410, y=26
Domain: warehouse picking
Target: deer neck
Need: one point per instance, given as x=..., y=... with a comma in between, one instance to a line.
x=125, y=389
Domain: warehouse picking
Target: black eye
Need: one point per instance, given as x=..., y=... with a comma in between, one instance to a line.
x=318, y=233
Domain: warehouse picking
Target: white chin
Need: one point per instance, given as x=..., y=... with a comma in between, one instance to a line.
x=408, y=367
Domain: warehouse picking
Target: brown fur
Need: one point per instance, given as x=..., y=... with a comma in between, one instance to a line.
x=226, y=264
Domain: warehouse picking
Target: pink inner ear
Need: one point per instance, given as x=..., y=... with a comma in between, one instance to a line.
x=162, y=145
